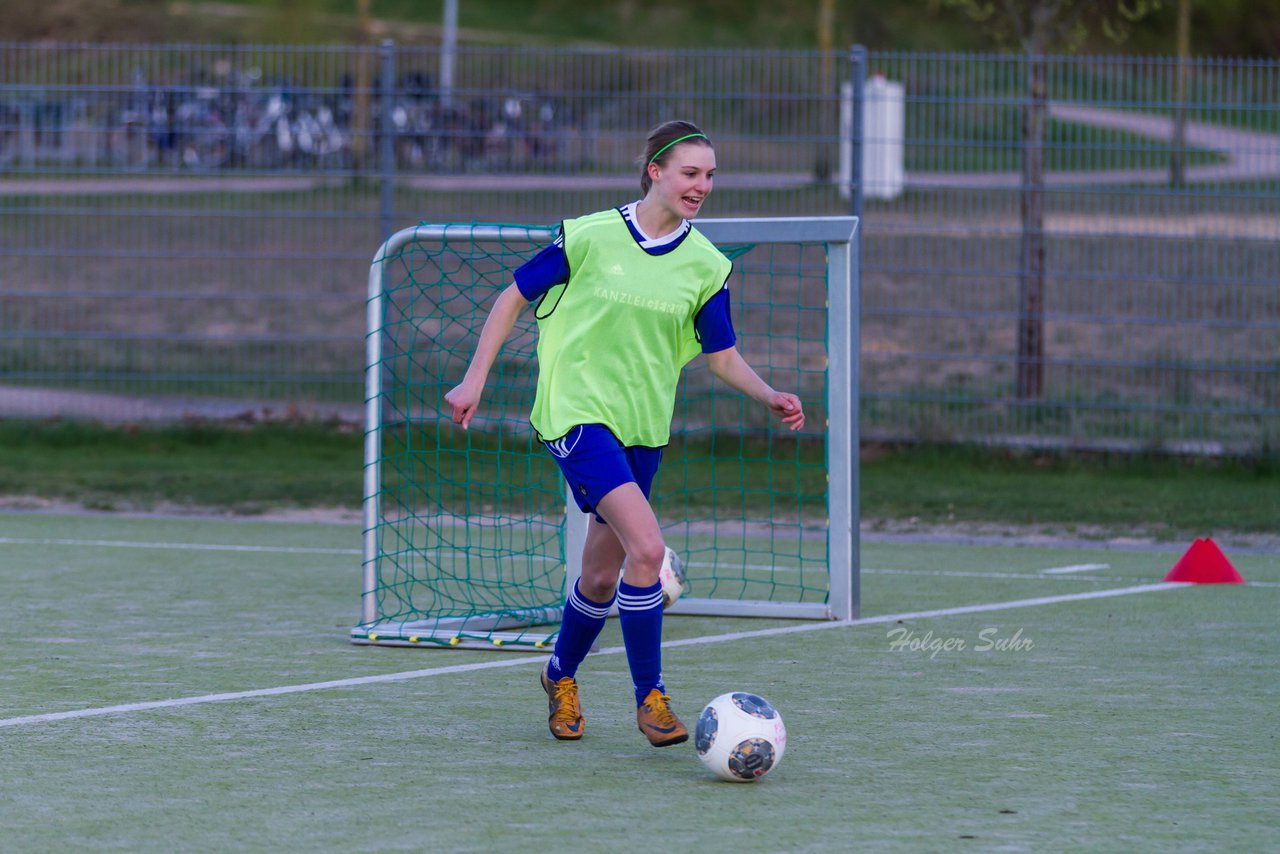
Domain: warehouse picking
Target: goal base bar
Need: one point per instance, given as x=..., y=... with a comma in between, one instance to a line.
x=686, y=606
x=515, y=641
x=486, y=631
x=476, y=631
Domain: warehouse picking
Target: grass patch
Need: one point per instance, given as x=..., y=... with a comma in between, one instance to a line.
x=1145, y=493
x=251, y=470
x=980, y=140
x=244, y=470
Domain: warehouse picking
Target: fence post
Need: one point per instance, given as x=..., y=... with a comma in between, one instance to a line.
x=448, y=52
x=386, y=139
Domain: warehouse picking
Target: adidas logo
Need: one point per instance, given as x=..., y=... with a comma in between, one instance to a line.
x=616, y=270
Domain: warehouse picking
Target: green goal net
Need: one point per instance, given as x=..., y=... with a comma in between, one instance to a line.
x=469, y=536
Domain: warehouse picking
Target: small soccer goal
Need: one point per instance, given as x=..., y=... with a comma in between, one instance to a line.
x=469, y=536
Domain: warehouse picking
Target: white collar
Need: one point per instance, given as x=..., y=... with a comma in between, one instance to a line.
x=629, y=213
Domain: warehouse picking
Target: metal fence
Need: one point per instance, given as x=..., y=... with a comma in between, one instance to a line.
x=1127, y=295
x=187, y=228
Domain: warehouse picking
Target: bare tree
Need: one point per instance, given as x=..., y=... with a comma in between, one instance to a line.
x=1040, y=27
x=1178, y=153
x=826, y=81
x=360, y=95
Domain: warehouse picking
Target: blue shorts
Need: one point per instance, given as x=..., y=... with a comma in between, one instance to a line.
x=595, y=463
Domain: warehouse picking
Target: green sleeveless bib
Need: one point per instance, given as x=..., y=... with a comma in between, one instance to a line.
x=612, y=341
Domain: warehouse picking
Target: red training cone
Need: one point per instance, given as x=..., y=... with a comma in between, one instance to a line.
x=1204, y=563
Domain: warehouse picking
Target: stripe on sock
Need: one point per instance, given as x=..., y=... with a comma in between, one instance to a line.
x=588, y=608
x=630, y=602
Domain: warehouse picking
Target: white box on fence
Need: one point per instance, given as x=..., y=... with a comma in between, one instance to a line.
x=883, y=134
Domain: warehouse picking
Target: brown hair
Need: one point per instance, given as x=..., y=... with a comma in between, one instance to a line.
x=661, y=141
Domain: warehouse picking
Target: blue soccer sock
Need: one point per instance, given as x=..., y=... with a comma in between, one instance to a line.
x=579, y=628
x=640, y=616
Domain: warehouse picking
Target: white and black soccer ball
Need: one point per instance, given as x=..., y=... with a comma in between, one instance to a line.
x=740, y=737
x=671, y=577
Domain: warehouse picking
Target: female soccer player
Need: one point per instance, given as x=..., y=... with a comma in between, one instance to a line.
x=626, y=297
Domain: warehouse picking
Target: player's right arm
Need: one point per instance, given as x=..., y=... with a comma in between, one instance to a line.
x=465, y=397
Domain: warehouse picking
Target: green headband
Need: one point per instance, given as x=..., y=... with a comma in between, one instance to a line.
x=673, y=142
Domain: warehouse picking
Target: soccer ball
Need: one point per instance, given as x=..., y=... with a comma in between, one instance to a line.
x=740, y=737
x=671, y=577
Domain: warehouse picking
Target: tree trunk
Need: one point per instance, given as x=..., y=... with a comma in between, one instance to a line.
x=1030, y=381
x=360, y=107
x=1178, y=154
x=826, y=88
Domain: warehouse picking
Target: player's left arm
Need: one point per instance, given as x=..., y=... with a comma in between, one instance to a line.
x=729, y=367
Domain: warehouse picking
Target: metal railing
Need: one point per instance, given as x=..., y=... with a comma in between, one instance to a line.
x=184, y=228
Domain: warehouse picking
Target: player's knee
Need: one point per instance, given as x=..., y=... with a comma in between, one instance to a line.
x=599, y=578
x=598, y=588
x=646, y=559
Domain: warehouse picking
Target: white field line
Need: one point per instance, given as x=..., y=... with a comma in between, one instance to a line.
x=613, y=650
x=1079, y=567
x=749, y=567
x=974, y=573
x=933, y=573
x=1061, y=571
x=204, y=547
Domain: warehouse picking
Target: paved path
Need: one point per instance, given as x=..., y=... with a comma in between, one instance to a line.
x=460, y=183
x=160, y=185
x=46, y=403
x=1248, y=155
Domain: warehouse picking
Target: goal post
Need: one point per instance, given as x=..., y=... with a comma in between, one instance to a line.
x=470, y=538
